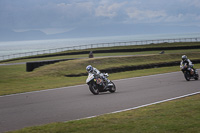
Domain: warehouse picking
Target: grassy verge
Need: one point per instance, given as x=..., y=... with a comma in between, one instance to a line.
x=55, y=55
x=178, y=116
x=78, y=66
x=14, y=78
x=19, y=82
x=105, y=54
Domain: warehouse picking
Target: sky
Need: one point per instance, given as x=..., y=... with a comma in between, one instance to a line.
x=58, y=16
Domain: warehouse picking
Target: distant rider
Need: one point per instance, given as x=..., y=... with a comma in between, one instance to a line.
x=93, y=70
x=186, y=61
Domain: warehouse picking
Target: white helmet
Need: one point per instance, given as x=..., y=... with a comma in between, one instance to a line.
x=89, y=68
x=184, y=57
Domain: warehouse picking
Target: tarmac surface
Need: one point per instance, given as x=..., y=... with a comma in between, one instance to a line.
x=70, y=103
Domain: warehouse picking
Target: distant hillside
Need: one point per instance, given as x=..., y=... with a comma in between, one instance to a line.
x=9, y=35
x=96, y=31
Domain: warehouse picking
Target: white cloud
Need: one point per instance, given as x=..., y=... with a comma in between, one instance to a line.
x=183, y=19
x=146, y=16
x=108, y=9
x=194, y=3
x=74, y=9
x=49, y=15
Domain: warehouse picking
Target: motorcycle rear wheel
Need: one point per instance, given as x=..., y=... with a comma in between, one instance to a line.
x=196, y=77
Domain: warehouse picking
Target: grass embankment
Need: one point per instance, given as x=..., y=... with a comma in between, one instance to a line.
x=54, y=56
x=178, y=116
x=14, y=79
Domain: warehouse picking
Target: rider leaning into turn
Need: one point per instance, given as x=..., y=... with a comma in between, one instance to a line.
x=187, y=61
x=93, y=70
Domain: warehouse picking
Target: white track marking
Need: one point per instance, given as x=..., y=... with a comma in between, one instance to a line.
x=145, y=105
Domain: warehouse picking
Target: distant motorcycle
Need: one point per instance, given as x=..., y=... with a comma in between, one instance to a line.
x=98, y=84
x=189, y=73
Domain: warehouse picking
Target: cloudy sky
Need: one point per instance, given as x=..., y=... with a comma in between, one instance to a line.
x=57, y=16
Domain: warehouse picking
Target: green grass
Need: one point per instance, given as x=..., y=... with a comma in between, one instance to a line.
x=105, y=54
x=116, y=54
x=21, y=81
x=78, y=66
x=14, y=78
x=178, y=116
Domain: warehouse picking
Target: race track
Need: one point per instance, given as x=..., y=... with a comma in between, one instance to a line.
x=70, y=103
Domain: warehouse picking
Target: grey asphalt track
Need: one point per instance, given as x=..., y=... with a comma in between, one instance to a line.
x=70, y=103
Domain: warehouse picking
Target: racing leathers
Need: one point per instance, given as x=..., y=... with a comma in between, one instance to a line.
x=97, y=72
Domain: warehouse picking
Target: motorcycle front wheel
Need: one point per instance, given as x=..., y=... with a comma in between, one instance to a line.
x=196, y=77
x=113, y=88
x=187, y=76
x=93, y=89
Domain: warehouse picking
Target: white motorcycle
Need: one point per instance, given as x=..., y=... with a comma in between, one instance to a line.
x=98, y=84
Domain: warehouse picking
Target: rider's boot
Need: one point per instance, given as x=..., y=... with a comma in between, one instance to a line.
x=195, y=71
x=108, y=83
